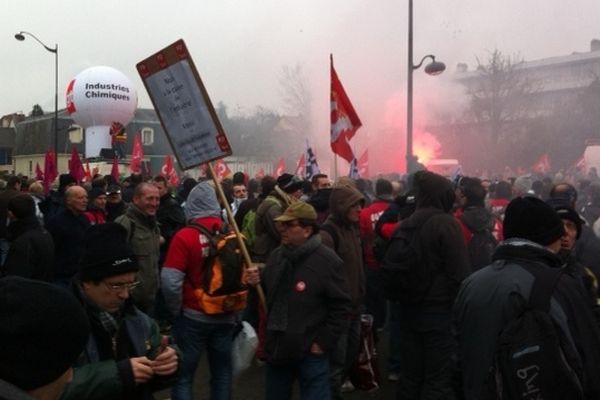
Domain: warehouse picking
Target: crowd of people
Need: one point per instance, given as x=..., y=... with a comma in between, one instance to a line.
x=105, y=284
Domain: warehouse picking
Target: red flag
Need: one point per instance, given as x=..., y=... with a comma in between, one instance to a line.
x=114, y=171
x=50, y=170
x=300, y=165
x=137, y=153
x=75, y=166
x=344, y=120
x=87, y=173
x=260, y=173
x=168, y=171
x=221, y=169
x=280, y=168
x=363, y=164
x=39, y=174
x=542, y=165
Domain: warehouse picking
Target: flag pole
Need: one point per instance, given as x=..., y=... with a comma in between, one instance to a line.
x=236, y=229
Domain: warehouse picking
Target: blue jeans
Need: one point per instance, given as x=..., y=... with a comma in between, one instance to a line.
x=313, y=377
x=193, y=337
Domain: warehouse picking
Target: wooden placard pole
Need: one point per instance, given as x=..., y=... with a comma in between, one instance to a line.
x=236, y=229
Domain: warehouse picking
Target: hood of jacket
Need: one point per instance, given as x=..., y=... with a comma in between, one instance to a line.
x=433, y=191
x=519, y=250
x=202, y=202
x=341, y=199
x=477, y=219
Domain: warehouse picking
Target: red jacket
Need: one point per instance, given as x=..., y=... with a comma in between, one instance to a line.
x=367, y=220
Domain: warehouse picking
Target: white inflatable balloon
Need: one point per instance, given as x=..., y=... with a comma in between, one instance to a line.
x=96, y=98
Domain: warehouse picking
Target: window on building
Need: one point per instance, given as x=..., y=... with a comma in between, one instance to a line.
x=147, y=136
x=5, y=156
x=75, y=134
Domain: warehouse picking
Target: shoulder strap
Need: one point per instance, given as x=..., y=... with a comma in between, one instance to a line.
x=206, y=232
x=334, y=236
x=545, y=281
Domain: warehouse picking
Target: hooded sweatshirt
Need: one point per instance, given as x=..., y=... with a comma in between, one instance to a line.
x=342, y=235
x=185, y=261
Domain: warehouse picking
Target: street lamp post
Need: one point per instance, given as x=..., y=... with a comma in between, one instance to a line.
x=21, y=36
x=433, y=68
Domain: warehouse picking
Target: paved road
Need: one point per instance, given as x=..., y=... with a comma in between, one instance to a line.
x=250, y=385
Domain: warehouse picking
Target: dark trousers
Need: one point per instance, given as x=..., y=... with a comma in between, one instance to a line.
x=312, y=373
x=427, y=355
x=343, y=356
x=375, y=302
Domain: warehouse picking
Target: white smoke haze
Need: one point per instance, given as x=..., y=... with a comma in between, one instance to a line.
x=240, y=47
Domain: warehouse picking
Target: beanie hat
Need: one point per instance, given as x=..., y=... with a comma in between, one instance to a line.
x=95, y=192
x=106, y=253
x=22, y=206
x=565, y=211
x=532, y=219
x=289, y=183
x=65, y=180
x=44, y=330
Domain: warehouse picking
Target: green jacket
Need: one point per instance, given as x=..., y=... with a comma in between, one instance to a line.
x=143, y=234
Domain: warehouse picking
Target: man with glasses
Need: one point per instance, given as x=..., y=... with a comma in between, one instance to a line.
x=125, y=356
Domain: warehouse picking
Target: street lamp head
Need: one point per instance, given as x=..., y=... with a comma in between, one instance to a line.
x=19, y=36
x=435, y=67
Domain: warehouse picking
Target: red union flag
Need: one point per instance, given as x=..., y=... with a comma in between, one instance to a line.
x=542, y=165
x=363, y=164
x=300, y=166
x=260, y=173
x=50, y=170
x=344, y=120
x=280, y=168
x=114, y=171
x=75, y=166
x=39, y=174
x=168, y=171
x=221, y=169
x=137, y=153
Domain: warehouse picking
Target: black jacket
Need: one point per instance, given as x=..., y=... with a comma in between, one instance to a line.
x=67, y=230
x=31, y=252
x=318, y=304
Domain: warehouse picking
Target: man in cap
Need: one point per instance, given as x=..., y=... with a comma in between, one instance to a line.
x=96, y=209
x=493, y=296
x=115, y=206
x=287, y=191
x=125, y=356
x=43, y=331
x=307, y=301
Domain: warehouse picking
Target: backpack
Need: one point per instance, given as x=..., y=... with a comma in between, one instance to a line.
x=222, y=289
x=532, y=360
x=406, y=276
x=481, y=247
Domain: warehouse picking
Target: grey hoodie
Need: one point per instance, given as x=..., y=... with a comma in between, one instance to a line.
x=202, y=202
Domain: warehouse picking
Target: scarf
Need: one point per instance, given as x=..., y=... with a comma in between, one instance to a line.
x=278, y=302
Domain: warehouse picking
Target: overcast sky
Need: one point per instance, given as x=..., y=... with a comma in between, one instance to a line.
x=240, y=46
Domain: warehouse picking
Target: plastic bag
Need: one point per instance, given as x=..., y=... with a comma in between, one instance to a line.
x=365, y=373
x=244, y=347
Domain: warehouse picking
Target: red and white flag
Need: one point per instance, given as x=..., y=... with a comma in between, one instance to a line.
x=221, y=169
x=168, y=171
x=87, y=173
x=260, y=173
x=363, y=164
x=300, y=166
x=279, y=168
x=137, y=153
x=75, y=166
x=344, y=120
x=50, y=170
x=542, y=165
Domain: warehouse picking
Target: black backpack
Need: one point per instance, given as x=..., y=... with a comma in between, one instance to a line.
x=481, y=247
x=406, y=275
x=533, y=360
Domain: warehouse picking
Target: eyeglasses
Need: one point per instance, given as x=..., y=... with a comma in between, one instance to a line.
x=119, y=286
